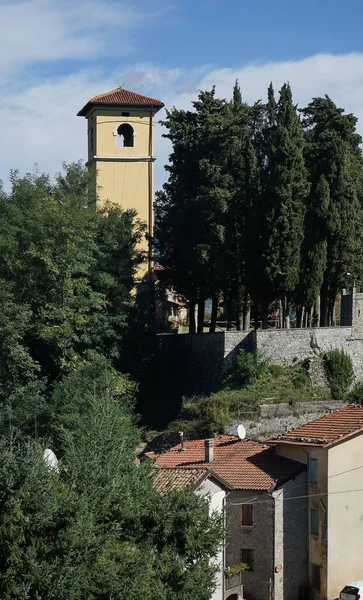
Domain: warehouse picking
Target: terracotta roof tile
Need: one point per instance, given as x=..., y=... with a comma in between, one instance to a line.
x=121, y=97
x=327, y=430
x=167, y=480
x=243, y=464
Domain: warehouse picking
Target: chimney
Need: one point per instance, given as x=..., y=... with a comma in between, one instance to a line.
x=209, y=450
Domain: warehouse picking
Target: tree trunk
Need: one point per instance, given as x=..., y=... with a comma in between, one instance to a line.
x=192, y=303
x=332, y=313
x=285, y=314
x=316, y=317
x=201, y=309
x=281, y=315
x=213, y=318
x=229, y=308
x=300, y=316
x=255, y=315
x=246, y=312
x=324, y=313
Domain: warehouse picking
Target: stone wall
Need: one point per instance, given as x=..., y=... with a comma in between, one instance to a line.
x=197, y=363
x=291, y=550
x=287, y=346
x=259, y=538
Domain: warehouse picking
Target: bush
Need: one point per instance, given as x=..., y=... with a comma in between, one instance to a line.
x=339, y=372
x=248, y=369
x=356, y=393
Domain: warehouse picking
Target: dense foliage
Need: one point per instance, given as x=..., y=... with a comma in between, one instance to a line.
x=263, y=204
x=339, y=371
x=96, y=527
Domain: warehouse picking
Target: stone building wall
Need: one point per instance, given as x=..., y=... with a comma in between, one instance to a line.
x=257, y=583
x=291, y=547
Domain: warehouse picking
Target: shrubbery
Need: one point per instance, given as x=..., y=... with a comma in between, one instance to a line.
x=339, y=372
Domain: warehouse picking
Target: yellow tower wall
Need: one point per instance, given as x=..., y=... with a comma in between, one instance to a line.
x=123, y=175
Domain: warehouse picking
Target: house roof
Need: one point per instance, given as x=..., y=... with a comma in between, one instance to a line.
x=167, y=480
x=121, y=97
x=243, y=464
x=328, y=430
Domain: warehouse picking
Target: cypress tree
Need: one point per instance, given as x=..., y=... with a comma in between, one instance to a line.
x=314, y=255
x=333, y=151
x=286, y=188
x=241, y=169
x=190, y=208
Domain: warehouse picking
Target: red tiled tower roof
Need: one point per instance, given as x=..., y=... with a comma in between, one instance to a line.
x=328, y=430
x=121, y=97
x=243, y=464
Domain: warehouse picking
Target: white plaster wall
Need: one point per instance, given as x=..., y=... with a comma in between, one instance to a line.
x=216, y=504
x=345, y=514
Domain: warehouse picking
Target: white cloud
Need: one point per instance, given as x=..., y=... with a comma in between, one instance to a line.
x=33, y=31
x=40, y=124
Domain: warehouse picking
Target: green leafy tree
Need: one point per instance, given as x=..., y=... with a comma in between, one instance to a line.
x=285, y=191
x=70, y=265
x=190, y=208
x=241, y=168
x=97, y=528
x=314, y=255
x=333, y=152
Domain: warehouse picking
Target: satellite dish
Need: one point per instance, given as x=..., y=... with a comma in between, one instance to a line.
x=241, y=432
x=50, y=459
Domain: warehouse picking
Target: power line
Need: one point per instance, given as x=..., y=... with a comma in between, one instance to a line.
x=246, y=501
x=251, y=501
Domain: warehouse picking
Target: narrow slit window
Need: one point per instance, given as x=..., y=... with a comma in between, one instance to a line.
x=125, y=136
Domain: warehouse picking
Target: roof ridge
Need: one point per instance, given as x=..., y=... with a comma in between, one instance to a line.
x=107, y=93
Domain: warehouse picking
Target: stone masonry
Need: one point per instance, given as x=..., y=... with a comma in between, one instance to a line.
x=200, y=361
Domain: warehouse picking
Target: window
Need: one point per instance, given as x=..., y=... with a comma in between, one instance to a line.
x=92, y=138
x=313, y=470
x=247, y=557
x=315, y=577
x=247, y=515
x=125, y=114
x=125, y=136
x=314, y=521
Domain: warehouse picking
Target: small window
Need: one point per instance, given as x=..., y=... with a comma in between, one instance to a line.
x=313, y=470
x=247, y=557
x=92, y=138
x=314, y=521
x=315, y=577
x=247, y=515
x=125, y=114
x=125, y=136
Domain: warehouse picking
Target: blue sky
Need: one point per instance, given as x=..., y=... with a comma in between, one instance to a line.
x=55, y=54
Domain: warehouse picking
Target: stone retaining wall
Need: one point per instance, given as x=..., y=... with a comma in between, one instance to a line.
x=198, y=362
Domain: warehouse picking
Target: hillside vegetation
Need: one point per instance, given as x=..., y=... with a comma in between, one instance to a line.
x=254, y=381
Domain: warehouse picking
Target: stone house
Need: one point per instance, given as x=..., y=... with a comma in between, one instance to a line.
x=249, y=481
x=332, y=449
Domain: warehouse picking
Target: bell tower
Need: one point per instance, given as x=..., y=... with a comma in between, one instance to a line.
x=120, y=130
